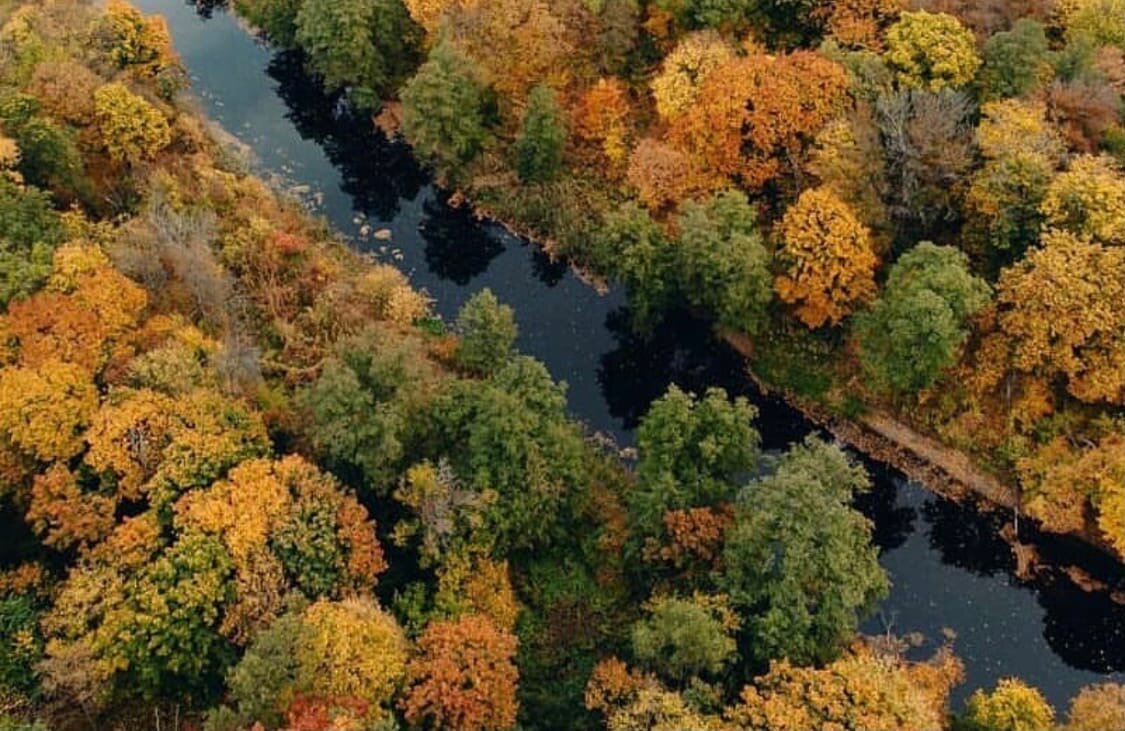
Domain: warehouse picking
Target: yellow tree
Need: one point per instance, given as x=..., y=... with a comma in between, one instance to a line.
x=64, y=514
x=156, y=446
x=866, y=690
x=131, y=129
x=685, y=69
x=756, y=114
x=137, y=41
x=602, y=118
x=1060, y=309
x=1096, y=708
x=848, y=159
x=352, y=649
x=261, y=514
x=1014, y=126
x=1063, y=484
x=827, y=259
x=931, y=51
x=1011, y=706
x=428, y=13
x=1088, y=200
x=44, y=410
x=518, y=43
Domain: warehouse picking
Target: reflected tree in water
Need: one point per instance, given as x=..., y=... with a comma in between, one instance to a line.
x=377, y=173
x=457, y=246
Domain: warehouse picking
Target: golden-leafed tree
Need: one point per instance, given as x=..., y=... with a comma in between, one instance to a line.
x=602, y=120
x=1063, y=483
x=45, y=409
x=131, y=129
x=518, y=44
x=685, y=69
x=1060, y=309
x=1088, y=200
x=286, y=525
x=827, y=259
x=753, y=117
x=866, y=690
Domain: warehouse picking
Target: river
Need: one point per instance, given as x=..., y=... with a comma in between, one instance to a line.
x=949, y=568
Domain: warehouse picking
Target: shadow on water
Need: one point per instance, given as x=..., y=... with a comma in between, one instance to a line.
x=376, y=173
x=947, y=563
x=457, y=247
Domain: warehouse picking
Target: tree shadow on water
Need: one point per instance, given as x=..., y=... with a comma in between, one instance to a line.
x=376, y=173
x=457, y=246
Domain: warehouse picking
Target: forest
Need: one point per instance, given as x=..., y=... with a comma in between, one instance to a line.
x=876, y=193
x=249, y=481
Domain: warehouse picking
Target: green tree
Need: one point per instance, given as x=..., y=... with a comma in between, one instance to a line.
x=634, y=249
x=278, y=18
x=49, y=157
x=681, y=638
x=691, y=452
x=364, y=46
x=29, y=232
x=1015, y=62
x=1002, y=206
x=722, y=263
x=366, y=404
x=169, y=635
x=798, y=562
x=269, y=667
x=21, y=645
x=488, y=332
x=917, y=327
x=724, y=14
x=509, y=438
x=542, y=137
x=443, y=111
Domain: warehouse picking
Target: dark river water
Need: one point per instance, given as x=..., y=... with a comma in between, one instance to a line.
x=950, y=571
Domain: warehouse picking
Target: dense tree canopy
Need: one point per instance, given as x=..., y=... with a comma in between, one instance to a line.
x=917, y=327
x=799, y=564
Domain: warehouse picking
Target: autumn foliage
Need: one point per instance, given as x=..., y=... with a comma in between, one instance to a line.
x=829, y=265
x=463, y=676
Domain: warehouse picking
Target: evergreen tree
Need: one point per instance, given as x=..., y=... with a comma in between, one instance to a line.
x=539, y=147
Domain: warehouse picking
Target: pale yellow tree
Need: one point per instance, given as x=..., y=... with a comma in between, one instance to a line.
x=685, y=69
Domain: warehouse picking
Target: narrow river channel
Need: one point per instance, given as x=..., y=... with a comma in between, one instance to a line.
x=950, y=570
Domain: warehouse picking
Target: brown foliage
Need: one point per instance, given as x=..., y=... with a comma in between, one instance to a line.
x=464, y=677
x=665, y=177
x=1083, y=111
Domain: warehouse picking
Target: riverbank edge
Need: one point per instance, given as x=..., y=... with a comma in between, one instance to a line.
x=877, y=434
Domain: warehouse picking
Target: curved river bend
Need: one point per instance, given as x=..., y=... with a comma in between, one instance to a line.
x=948, y=567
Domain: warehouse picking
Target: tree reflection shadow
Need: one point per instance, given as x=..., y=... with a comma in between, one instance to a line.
x=682, y=350
x=968, y=537
x=458, y=247
x=376, y=173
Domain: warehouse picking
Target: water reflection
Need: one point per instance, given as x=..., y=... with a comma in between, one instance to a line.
x=457, y=247
x=376, y=174
x=892, y=522
x=969, y=537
